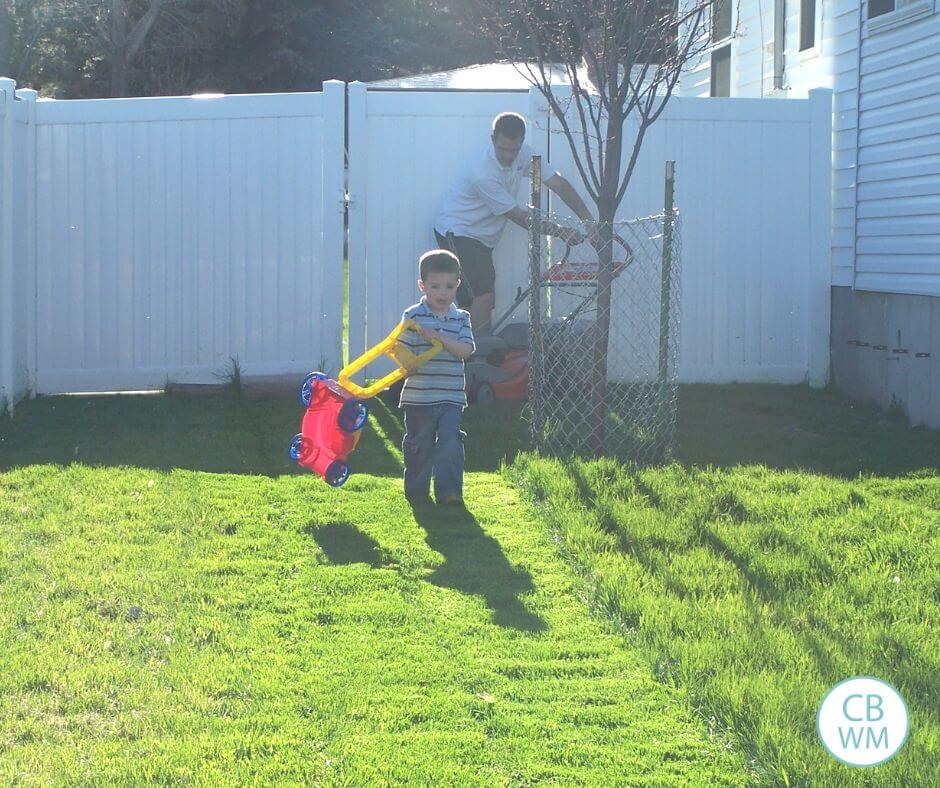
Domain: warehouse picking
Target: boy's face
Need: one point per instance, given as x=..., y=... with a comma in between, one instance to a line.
x=440, y=287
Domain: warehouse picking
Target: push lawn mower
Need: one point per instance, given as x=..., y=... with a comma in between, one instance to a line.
x=499, y=369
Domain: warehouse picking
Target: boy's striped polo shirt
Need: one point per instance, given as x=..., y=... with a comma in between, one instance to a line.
x=440, y=380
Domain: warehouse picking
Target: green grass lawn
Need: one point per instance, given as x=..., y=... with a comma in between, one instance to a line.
x=795, y=543
x=180, y=603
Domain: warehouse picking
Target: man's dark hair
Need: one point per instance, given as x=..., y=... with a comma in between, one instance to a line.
x=510, y=125
x=438, y=261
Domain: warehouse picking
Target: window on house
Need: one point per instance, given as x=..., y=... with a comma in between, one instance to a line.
x=721, y=20
x=721, y=71
x=902, y=10
x=879, y=7
x=808, y=24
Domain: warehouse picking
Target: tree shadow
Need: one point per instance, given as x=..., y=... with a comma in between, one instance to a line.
x=798, y=428
x=343, y=543
x=767, y=602
x=474, y=564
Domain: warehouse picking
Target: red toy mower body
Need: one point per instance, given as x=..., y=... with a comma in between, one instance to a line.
x=336, y=411
x=330, y=429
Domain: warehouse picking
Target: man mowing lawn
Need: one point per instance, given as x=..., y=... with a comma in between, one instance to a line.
x=474, y=214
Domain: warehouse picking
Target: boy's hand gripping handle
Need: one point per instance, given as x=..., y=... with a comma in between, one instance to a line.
x=406, y=361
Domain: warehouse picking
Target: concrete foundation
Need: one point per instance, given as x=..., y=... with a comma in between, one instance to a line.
x=886, y=350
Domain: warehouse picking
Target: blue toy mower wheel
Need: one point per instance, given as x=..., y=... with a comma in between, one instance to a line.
x=296, y=447
x=306, y=388
x=352, y=416
x=337, y=473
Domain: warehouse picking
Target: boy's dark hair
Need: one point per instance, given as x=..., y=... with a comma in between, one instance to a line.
x=510, y=125
x=438, y=261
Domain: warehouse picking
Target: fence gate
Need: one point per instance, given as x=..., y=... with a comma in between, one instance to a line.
x=180, y=236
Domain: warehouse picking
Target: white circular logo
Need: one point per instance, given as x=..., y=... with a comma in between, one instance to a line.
x=862, y=721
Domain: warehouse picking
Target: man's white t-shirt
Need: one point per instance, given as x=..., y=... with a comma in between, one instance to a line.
x=477, y=205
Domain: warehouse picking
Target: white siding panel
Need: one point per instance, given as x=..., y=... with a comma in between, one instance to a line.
x=885, y=243
x=905, y=283
x=893, y=188
x=902, y=225
x=900, y=150
x=901, y=207
x=898, y=247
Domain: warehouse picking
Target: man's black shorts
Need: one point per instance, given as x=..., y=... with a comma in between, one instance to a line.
x=476, y=267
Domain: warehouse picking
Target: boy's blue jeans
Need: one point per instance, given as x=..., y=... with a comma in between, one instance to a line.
x=433, y=445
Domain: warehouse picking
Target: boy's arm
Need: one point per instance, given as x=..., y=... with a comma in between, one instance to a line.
x=453, y=346
x=409, y=333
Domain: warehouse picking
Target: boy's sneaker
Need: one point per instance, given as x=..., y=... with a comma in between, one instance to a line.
x=451, y=500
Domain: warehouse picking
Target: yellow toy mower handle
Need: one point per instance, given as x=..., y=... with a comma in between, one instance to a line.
x=406, y=361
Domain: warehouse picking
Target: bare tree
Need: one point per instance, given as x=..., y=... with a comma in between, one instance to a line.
x=623, y=60
x=120, y=28
x=6, y=38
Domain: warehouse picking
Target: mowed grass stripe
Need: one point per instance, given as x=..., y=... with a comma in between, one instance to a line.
x=209, y=627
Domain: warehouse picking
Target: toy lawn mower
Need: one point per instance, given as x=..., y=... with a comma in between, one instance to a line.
x=336, y=410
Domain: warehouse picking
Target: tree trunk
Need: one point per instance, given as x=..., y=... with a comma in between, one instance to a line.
x=118, y=76
x=606, y=211
x=118, y=49
x=6, y=40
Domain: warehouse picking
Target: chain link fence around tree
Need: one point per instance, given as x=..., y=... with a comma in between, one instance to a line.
x=589, y=397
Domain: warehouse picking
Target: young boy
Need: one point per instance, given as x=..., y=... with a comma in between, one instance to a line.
x=433, y=396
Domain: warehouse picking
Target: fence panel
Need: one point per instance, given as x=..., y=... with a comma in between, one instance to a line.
x=180, y=234
x=755, y=219
x=7, y=293
x=17, y=233
x=406, y=150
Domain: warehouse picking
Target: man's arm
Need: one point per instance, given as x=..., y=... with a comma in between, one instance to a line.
x=520, y=216
x=560, y=185
x=570, y=197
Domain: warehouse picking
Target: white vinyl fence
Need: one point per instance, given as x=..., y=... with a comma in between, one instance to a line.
x=753, y=183
x=16, y=238
x=752, y=188
x=176, y=237
x=152, y=240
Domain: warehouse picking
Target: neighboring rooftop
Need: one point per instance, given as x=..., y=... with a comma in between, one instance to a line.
x=485, y=76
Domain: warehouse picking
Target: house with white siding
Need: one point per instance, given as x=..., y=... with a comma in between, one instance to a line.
x=881, y=58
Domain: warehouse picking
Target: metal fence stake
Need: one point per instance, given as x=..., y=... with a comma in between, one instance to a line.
x=535, y=302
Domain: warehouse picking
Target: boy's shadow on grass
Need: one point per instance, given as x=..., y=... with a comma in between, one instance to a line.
x=343, y=543
x=475, y=564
